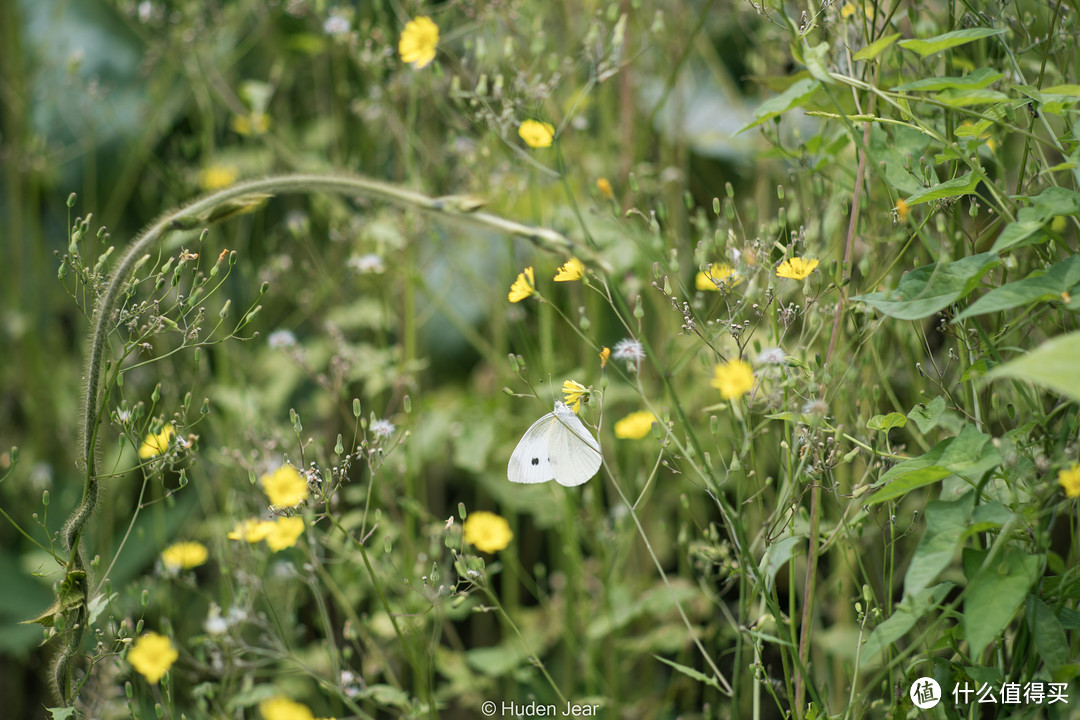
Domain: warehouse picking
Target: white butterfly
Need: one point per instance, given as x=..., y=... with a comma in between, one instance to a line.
x=556, y=447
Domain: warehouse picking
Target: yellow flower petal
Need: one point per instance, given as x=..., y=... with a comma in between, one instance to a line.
x=796, y=268
x=184, y=555
x=717, y=275
x=154, y=445
x=523, y=287
x=284, y=533
x=285, y=487
x=572, y=269
x=604, y=355
x=1070, y=480
x=418, y=41
x=604, y=186
x=635, y=426
x=251, y=530
x=537, y=134
x=281, y=708
x=574, y=392
x=902, y=209
x=733, y=379
x=152, y=655
x=487, y=531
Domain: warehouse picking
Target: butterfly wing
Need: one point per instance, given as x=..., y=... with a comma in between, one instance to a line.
x=531, y=460
x=573, y=453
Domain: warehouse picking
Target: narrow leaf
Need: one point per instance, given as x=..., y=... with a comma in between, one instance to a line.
x=875, y=48
x=945, y=522
x=796, y=95
x=929, y=289
x=973, y=81
x=936, y=44
x=994, y=594
x=1040, y=285
x=963, y=185
x=1051, y=365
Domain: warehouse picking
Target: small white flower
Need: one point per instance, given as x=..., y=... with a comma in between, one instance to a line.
x=146, y=10
x=815, y=407
x=214, y=623
x=281, y=339
x=382, y=428
x=628, y=349
x=772, y=356
x=236, y=615
x=336, y=25
x=370, y=263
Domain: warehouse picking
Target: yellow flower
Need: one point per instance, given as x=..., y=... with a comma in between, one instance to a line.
x=1070, y=480
x=216, y=176
x=152, y=655
x=733, y=379
x=902, y=209
x=537, y=134
x=284, y=487
x=574, y=392
x=487, y=531
x=722, y=274
x=251, y=530
x=257, y=123
x=604, y=186
x=604, y=355
x=184, y=556
x=280, y=708
x=796, y=268
x=154, y=445
x=284, y=533
x=847, y=11
x=523, y=287
x=572, y=269
x=635, y=426
x=418, y=41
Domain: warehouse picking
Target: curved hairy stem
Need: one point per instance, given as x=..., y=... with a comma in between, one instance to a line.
x=203, y=211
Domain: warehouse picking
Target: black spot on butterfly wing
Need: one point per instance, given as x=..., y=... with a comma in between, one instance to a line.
x=536, y=461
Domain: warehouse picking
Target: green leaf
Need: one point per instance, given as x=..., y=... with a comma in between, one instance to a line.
x=59, y=713
x=945, y=524
x=1029, y=221
x=926, y=416
x=1049, y=635
x=913, y=479
x=387, y=695
x=875, y=48
x=994, y=594
x=969, y=455
x=496, y=660
x=974, y=130
x=936, y=44
x=885, y=423
x=1039, y=286
x=1051, y=365
x=963, y=185
x=816, y=62
x=904, y=616
x=967, y=98
x=777, y=554
x=929, y=289
x=977, y=369
x=690, y=672
x=972, y=81
x=796, y=95
x=1070, y=90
